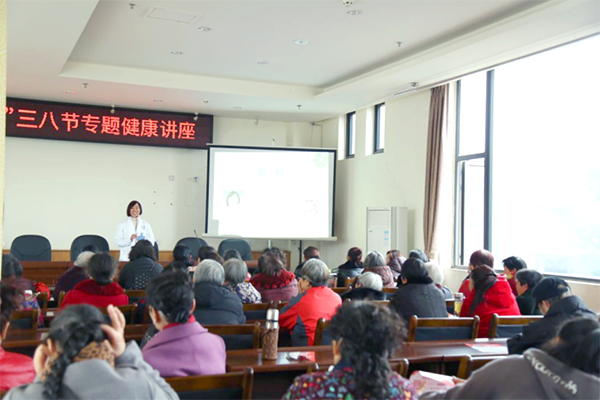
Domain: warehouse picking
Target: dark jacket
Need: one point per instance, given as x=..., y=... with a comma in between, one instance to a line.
x=539, y=332
x=528, y=304
x=217, y=305
x=69, y=279
x=421, y=299
x=348, y=270
x=395, y=265
x=136, y=274
x=362, y=293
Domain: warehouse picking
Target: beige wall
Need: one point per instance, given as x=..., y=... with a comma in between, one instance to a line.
x=2, y=105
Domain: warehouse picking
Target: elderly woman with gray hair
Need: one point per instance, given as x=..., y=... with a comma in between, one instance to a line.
x=77, y=273
x=215, y=303
x=315, y=301
x=236, y=272
x=375, y=262
x=368, y=287
x=437, y=276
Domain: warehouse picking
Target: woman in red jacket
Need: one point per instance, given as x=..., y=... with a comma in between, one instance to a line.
x=100, y=291
x=15, y=369
x=490, y=294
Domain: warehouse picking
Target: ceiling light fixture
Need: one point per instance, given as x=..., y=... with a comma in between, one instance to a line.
x=69, y=92
x=204, y=29
x=354, y=12
x=177, y=53
x=301, y=41
x=413, y=87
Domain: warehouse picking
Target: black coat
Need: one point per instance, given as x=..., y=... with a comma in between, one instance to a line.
x=424, y=300
x=539, y=332
x=217, y=305
x=528, y=304
x=348, y=270
x=363, y=294
x=136, y=274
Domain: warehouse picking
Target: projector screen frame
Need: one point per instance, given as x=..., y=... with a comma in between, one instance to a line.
x=311, y=149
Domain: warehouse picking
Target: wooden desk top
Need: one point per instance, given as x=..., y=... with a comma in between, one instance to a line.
x=421, y=352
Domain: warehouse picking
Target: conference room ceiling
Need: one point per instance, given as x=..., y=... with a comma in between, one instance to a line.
x=131, y=54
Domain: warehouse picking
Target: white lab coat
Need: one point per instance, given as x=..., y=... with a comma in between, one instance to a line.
x=124, y=232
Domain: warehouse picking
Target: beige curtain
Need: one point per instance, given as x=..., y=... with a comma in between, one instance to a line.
x=437, y=145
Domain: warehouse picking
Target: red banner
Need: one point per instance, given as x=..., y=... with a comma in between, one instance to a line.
x=63, y=121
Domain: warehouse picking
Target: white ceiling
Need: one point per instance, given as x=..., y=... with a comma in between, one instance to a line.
x=349, y=62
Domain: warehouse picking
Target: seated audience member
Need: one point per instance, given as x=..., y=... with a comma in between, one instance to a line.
x=437, y=276
x=236, y=272
x=277, y=251
x=215, y=303
x=91, y=247
x=207, y=253
x=315, y=301
x=368, y=286
x=83, y=358
x=490, y=294
x=558, y=305
x=182, y=347
x=100, y=290
x=419, y=255
x=566, y=368
x=526, y=280
x=376, y=263
x=309, y=253
x=394, y=259
x=75, y=274
x=512, y=265
x=352, y=268
x=183, y=254
x=12, y=275
x=15, y=369
x=365, y=334
x=273, y=281
x=232, y=253
x=418, y=295
x=142, y=267
x=480, y=257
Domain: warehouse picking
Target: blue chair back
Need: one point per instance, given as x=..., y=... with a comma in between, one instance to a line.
x=85, y=240
x=238, y=244
x=31, y=248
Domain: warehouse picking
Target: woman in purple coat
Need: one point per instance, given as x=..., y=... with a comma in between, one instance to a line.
x=182, y=347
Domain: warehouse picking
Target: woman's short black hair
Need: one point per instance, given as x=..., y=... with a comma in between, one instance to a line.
x=143, y=248
x=414, y=271
x=367, y=334
x=232, y=253
x=91, y=247
x=176, y=266
x=182, y=253
x=579, y=345
x=514, y=263
x=102, y=268
x=270, y=264
x=130, y=206
x=529, y=277
x=11, y=266
x=173, y=295
x=11, y=301
x=277, y=251
x=419, y=255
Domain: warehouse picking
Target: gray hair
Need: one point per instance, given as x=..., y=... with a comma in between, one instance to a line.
x=374, y=259
x=316, y=272
x=209, y=271
x=370, y=280
x=235, y=271
x=435, y=272
x=83, y=259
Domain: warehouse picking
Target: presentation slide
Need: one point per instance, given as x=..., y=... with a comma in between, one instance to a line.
x=270, y=193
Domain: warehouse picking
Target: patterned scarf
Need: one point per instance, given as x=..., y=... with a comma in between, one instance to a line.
x=94, y=350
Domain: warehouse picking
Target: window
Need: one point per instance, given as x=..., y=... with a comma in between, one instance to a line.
x=350, y=134
x=527, y=168
x=379, y=129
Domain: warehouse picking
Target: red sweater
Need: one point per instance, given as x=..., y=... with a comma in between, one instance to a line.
x=497, y=300
x=91, y=292
x=15, y=370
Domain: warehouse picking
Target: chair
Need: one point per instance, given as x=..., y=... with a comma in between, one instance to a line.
x=156, y=250
x=427, y=329
x=61, y=297
x=135, y=295
x=232, y=385
x=31, y=248
x=238, y=337
x=349, y=282
x=193, y=243
x=128, y=311
x=468, y=365
x=400, y=367
x=390, y=290
x=85, y=240
x=507, y=327
x=257, y=311
x=450, y=306
x=322, y=336
x=25, y=319
x=42, y=299
x=340, y=290
x=238, y=244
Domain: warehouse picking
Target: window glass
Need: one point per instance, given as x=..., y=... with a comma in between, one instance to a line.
x=379, y=127
x=350, y=134
x=471, y=116
x=472, y=193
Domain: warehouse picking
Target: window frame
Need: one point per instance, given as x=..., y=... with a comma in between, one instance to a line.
x=350, y=134
x=377, y=129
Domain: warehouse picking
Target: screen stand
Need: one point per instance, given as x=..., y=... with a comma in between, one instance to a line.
x=299, y=252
